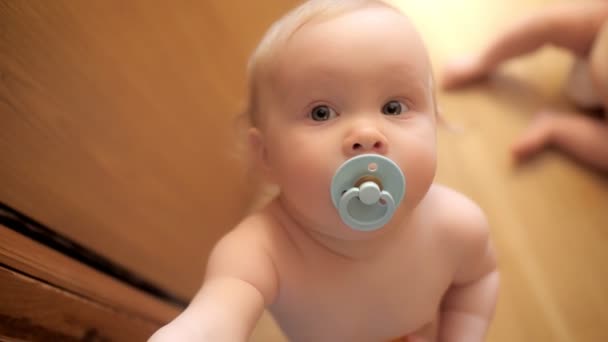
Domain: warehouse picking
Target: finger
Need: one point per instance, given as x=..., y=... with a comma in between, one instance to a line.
x=461, y=71
x=584, y=138
x=580, y=136
x=534, y=139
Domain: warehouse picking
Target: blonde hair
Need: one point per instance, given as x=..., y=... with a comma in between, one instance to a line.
x=260, y=63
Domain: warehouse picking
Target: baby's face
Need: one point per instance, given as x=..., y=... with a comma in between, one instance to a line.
x=357, y=83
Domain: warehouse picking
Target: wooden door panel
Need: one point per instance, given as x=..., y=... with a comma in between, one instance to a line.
x=118, y=124
x=35, y=311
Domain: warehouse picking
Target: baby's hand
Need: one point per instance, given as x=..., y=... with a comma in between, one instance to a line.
x=582, y=137
x=571, y=26
x=463, y=70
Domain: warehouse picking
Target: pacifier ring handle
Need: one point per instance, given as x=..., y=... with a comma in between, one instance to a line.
x=365, y=225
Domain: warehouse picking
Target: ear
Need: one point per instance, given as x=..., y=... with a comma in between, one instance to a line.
x=258, y=152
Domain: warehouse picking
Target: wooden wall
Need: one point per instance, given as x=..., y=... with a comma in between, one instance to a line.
x=117, y=124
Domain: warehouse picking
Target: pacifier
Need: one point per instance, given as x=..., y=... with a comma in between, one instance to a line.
x=366, y=190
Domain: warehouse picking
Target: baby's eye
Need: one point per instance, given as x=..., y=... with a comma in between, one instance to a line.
x=394, y=108
x=322, y=113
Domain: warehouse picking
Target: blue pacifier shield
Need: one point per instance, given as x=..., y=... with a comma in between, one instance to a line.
x=366, y=190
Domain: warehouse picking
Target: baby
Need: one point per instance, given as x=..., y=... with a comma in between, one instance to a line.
x=330, y=82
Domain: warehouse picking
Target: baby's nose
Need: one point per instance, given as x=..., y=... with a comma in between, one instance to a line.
x=365, y=140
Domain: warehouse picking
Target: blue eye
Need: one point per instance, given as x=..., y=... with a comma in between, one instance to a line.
x=322, y=113
x=394, y=108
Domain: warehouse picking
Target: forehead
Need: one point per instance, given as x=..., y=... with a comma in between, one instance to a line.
x=374, y=38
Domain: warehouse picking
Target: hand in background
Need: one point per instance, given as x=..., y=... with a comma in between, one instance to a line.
x=580, y=28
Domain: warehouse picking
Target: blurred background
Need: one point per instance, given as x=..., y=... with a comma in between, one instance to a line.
x=119, y=132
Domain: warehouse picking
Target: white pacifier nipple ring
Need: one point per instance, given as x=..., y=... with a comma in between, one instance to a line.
x=366, y=190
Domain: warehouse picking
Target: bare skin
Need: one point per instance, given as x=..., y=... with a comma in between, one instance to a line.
x=582, y=29
x=428, y=275
x=359, y=299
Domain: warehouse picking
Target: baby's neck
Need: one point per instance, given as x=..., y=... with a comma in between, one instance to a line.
x=364, y=246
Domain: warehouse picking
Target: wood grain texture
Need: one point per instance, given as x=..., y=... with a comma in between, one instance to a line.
x=40, y=262
x=34, y=311
x=118, y=125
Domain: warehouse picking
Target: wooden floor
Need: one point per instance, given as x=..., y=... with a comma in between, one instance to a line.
x=549, y=218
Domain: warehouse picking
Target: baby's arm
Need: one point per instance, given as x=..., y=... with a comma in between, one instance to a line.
x=240, y=281
x=582, y=137
x=569, y=26
x=469, y=304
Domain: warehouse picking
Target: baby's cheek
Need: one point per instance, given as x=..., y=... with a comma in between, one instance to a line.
x=310, y=198
x=302, y=177
x=419, y=175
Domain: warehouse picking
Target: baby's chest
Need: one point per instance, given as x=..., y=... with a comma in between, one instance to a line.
x=383, y=299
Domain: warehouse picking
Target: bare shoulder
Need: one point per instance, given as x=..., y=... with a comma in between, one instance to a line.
x=457, y=214
x=252, y=234
x=245, y=253
x=464, y=230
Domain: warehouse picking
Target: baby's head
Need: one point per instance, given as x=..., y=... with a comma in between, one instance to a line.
x=262, y=65
x=334, y=79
